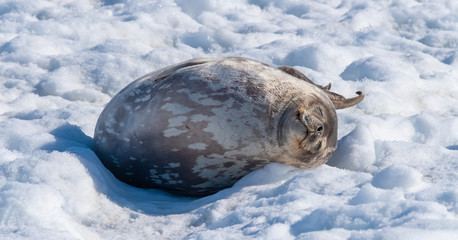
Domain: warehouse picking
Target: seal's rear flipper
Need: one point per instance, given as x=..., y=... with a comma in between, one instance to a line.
x=338, y=100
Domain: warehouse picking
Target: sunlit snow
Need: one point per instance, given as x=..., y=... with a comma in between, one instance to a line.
x=393, y=176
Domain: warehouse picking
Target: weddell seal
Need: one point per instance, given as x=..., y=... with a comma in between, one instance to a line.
x=197, y=127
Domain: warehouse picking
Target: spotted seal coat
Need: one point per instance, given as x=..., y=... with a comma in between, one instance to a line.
x=197, y=127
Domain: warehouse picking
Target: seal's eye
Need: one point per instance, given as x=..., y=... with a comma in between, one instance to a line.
x=320, y=111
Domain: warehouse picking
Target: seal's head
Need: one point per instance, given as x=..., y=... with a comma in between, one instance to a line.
x=307, y=128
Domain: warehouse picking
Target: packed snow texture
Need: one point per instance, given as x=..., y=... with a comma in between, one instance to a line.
x=393, y=176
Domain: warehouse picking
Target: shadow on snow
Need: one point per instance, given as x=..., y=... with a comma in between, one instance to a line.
x=71, y=139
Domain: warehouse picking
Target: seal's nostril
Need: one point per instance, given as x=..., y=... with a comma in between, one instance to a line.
x=319, y=128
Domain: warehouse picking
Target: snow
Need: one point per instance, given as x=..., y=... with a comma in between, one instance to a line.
x=393, y=175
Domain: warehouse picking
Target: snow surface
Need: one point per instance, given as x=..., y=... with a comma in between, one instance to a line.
x=393, y=176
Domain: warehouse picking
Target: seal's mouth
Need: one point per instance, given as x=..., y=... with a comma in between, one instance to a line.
x=282, y=128
x=293, y=128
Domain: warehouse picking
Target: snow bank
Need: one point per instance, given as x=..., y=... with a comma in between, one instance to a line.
x=393, y=175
